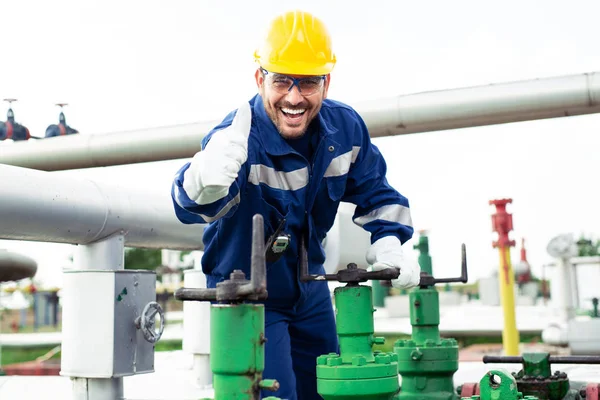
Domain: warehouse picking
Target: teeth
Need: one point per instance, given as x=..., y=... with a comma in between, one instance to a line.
x=290, y=111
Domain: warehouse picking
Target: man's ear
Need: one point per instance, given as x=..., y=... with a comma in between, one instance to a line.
x=326, y=85
x=260, y=79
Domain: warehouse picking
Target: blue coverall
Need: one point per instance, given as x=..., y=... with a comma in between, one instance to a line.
x=278, y=182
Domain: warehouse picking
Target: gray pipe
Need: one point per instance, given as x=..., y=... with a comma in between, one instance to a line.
x=14, y=266
x=422, y=112
x=41, y=206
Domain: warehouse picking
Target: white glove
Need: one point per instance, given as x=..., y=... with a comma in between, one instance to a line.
x=387, y=253
x=214, y=169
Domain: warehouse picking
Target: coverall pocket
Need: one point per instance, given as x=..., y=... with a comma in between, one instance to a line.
x=336, y=187
x=273, y=214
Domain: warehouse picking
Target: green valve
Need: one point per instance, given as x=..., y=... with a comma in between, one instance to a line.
x=427, y=362
x=424, y=258
x=237, y=349
x=237, y=330
x=380, y=292
x=356, y=373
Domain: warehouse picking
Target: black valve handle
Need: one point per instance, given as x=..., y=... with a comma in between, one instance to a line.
x=351, y=275
x=237, y=288
x=428, y=280
x=551, y=359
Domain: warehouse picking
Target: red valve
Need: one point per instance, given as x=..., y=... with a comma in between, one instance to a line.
x=502, y=223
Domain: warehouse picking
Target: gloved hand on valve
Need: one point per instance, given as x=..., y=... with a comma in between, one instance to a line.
x=387, y=253
x=215, y=168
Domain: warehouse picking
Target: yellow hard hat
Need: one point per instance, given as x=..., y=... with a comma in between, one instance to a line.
x=297, y=43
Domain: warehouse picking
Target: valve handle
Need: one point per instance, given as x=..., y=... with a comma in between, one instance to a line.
x=551, y=359
x=351, y=275
x=237, y=288
x=428, y=280
x=145, y=322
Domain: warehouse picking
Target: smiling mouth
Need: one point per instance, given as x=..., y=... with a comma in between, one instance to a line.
x=292, y=115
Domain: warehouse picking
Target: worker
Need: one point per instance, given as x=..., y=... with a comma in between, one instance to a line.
x=291, y=155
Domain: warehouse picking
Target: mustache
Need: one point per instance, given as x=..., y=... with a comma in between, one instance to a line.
x=285, y=104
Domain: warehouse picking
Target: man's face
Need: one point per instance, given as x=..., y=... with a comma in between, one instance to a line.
x=291, y=111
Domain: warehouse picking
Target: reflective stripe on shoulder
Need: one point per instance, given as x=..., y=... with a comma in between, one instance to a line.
x=341, y=164
x=392, y=213
x=292, y=180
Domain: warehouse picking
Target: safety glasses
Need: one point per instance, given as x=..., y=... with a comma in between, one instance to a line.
x=283, y=84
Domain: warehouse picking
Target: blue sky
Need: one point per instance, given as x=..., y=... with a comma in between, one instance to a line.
x=135, y=64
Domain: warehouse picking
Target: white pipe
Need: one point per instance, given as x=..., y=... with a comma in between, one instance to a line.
x=14, y=266
x=585, y=260
x=115, y=148
x=484, y=105
x=106, y=254
x=561, y=288
x=40, y=206
x=580, y=260
x=556, y=334
x=196, y=326
x=421, y=112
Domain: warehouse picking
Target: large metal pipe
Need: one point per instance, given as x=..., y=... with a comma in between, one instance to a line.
x=413, y=113
x=100, y=150
x=14, y=266
x=484, y=105
x=40, y=206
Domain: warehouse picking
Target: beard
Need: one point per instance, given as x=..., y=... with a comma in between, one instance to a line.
x=279, y=120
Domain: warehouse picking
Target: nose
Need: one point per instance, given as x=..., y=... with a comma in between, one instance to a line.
x=294, y=96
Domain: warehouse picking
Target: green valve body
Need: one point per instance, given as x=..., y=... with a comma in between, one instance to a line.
x=356, y=373
x=426, y=363
x=424, y=258
x=237, y=350
x=380, y=292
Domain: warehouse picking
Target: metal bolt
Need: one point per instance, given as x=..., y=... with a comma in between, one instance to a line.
x=333, y=362
x=378, y=340
x=358, y=361
x=237, y=275
x=430, y=343
x=382, y=359
x=416, y=355
x=269, y=384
